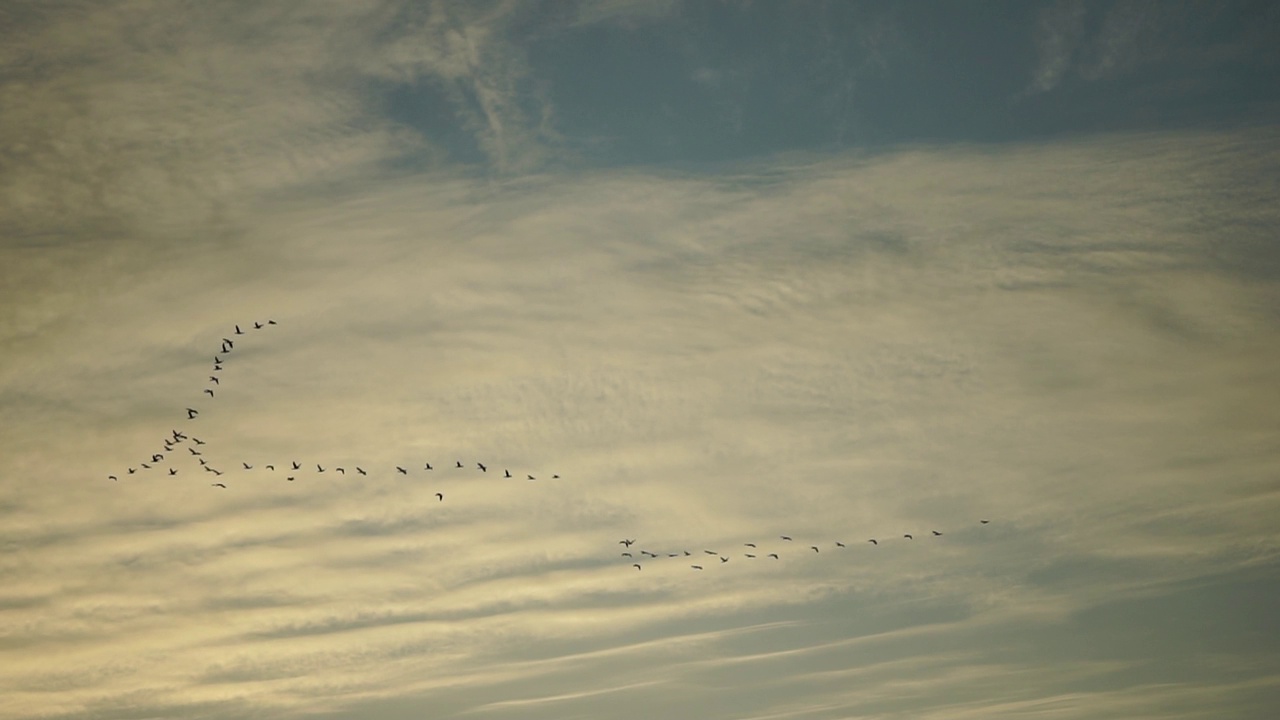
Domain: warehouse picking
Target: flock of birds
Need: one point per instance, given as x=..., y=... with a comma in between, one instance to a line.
x=749, y=551
x=176, y=441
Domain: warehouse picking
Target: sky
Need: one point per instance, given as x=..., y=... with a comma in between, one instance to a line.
x=732, y=271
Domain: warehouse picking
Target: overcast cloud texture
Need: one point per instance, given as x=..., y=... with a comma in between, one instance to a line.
x=732, y=270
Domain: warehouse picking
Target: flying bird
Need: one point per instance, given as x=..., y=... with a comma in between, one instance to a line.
x=191, y=414
x=228, y=343
x=626, y=542
x=113, y=477
x=873, y=541
x=146, y=466
x=984, y=522
x=132, y=470
x=749, y=544
x=296, y=466
x=506, y=473
x=203, y=461
x=723, y=559
x=636, y=566
x=482, y=467
x=177, y=435
x=402, y=470
x=440, y=497
x=271, y=322
x=341, y=470
x=157, y=457
x=696, y=567
x=908, y=537
x=361, y=470
x=459, y=463
x=173, y=471
x=221, y=485
x=935, y=533
x=646, y=552
x=290, y=478
x=217, y=360
x=555, y=477
x=429, y=467
x=193, y=451
x=749, y=555
x=257, y=325
x=247, y=466
x=318, y=468
x=531, y=477
x=785, y=537
x=198, y=441
x=627, y=554
x=773, y=555
x=813, y=548
x=839, y=544
x=711, y=552
x=210, y=391
x=214, y=379
x=239, y=331
x=271, y=467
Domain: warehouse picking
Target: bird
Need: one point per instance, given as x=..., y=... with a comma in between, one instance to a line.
x=908, y=536
x=506, y=473
x=157, y=457
x=177, y=435
x=773, y=555
x=646, y=552
x=361, y=470
x=402, y=470
x=711, y=552
x=749, y=544
x=687, y=553
x=257, y=325
x=935, y=533
x=429, y=467
x=984, y=522
x=225, y=349
x=440, y=497
x=696, y=567
x=271, y=322
x=271, y=467
x=113, y=477
x=290, y=478
x=247, y=466
x=318, y=468
x=132, y=470
x=627, y=554
x=191, y=414
x=210, y=391
x=873, y=541
x=626, y=542
x=217, y=368
x=459, y=463
x=673, y=554
x=214, y=379
x=636, y=566
x=203, y=461
x=193, y=451
x=555, y=477
x=531, y=477
x=296, y=466
x=839, y=544
x=197, y=441
x=228, y=343
x=239, y=331
x=723, y=559
x=785, y=537
x=216, y=472
x=221, y=485
x=146, y=466
x=217, y=360
x=172, y=471
x=341, y=470
x=749, y=555
x=813, y=548
x=482, y=467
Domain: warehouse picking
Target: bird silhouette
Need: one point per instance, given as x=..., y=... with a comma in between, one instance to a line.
x=239, y=331
x=210, y=391
x=813, y=548
x=839, y=544
x=172, y=471
x=257, y=325
x=984, y=522
x=711, y=552
x=531, y=477
x=908, y=537
x=197, y=441
x=506, y=473
x=318, y=468
x=873, y=541
x=361, y=470
x=193, y=451
x=290, y=478
x=217, y=367
x=696, y=567
x=749, y=544
x=459, y=463
x=228, y=342
x=203, y=461
x=145, y=466
x=214, y=379
x=247, y=466
x=271, y=322
x=402, y=470
x=113, y=477
x=429, y=467
x=773, y=555
x=646, y=552
x=217, y=360
x=271, y=467
x=636, y=566
x=296, y=466
x=132, y=470
x=723, y=559
x=482, y=467
x=627, y=554
x=555, y=477
x=785, y=537
x=341, y=470
x=440, y=497
x=626, y=542
x=221, y=485
x=191, y=414
x=749, y=555
x=936, y=533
